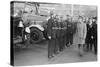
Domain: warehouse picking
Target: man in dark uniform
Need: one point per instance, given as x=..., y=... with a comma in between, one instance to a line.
x=51, y=36
x=95, y=34
x=69, y=31
x=61, y=32
x=87, y=36
x=55, y=26
x=92, y=36
x=64, y=36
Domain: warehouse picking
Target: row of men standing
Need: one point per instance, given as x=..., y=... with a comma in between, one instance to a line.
x=60, y=34
x=64, y=32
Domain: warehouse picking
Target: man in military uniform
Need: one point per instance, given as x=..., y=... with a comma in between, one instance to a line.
x=50, y=36
x=61, y=33
x=95, y=36
x=64, y=29
x=56, y=48
x=69, y=34
x=52, y=46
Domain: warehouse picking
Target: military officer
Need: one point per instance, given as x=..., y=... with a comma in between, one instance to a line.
x=92, y=35
x=56, y=49
x=61, y=34
x=69, y=34
x=64, y=28
x=95, y=34
x=51, y=36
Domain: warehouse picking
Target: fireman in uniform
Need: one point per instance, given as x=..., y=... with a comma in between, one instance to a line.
x=61, y=34
x=92, y=35
x=56, y=48
x=95, y=34
x=64, y=28
x=52, y=32
x=51, y=36
x=69, y=34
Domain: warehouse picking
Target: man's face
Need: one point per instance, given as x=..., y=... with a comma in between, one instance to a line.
x=67, y=17
x=94, y=20
x=80, y=19
x=87, y=19
x=84, y=19
x=90, y=22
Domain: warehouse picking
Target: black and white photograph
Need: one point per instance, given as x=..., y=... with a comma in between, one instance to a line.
x=52, y=33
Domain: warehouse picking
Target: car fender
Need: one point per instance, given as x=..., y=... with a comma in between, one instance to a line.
x=27, y=29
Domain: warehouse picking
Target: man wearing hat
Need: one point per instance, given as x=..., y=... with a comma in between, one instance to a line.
x=50, y=35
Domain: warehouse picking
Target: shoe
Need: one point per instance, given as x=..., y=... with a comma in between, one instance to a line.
x=56, y=53
x=50, y=57
x=81, y=55
x=53, y=55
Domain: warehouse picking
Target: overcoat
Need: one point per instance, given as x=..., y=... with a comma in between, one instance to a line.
x=80, y=35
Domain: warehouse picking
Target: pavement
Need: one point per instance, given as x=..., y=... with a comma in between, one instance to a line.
x=37, y=54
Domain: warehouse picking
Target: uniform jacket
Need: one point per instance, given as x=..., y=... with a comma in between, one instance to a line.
x=69, y=27
x=50, y=28
x=65, y=27
x=92, y=32
x=62, y=29
x=58, y=30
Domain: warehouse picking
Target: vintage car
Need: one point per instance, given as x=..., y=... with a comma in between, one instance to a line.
x=33, y=21
x=35, y=27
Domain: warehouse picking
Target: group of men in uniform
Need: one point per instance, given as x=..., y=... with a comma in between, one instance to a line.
x=91, y=38
x=60, y=33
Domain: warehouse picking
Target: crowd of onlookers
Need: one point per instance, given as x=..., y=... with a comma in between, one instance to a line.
x=80, y=31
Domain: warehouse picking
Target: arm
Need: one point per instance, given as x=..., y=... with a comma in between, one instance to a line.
x=49, y=24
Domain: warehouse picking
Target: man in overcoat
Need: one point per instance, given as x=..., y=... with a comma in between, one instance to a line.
x=80, y=35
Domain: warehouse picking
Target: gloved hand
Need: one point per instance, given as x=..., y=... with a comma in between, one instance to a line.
x=92, y=37
x=49, y=37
